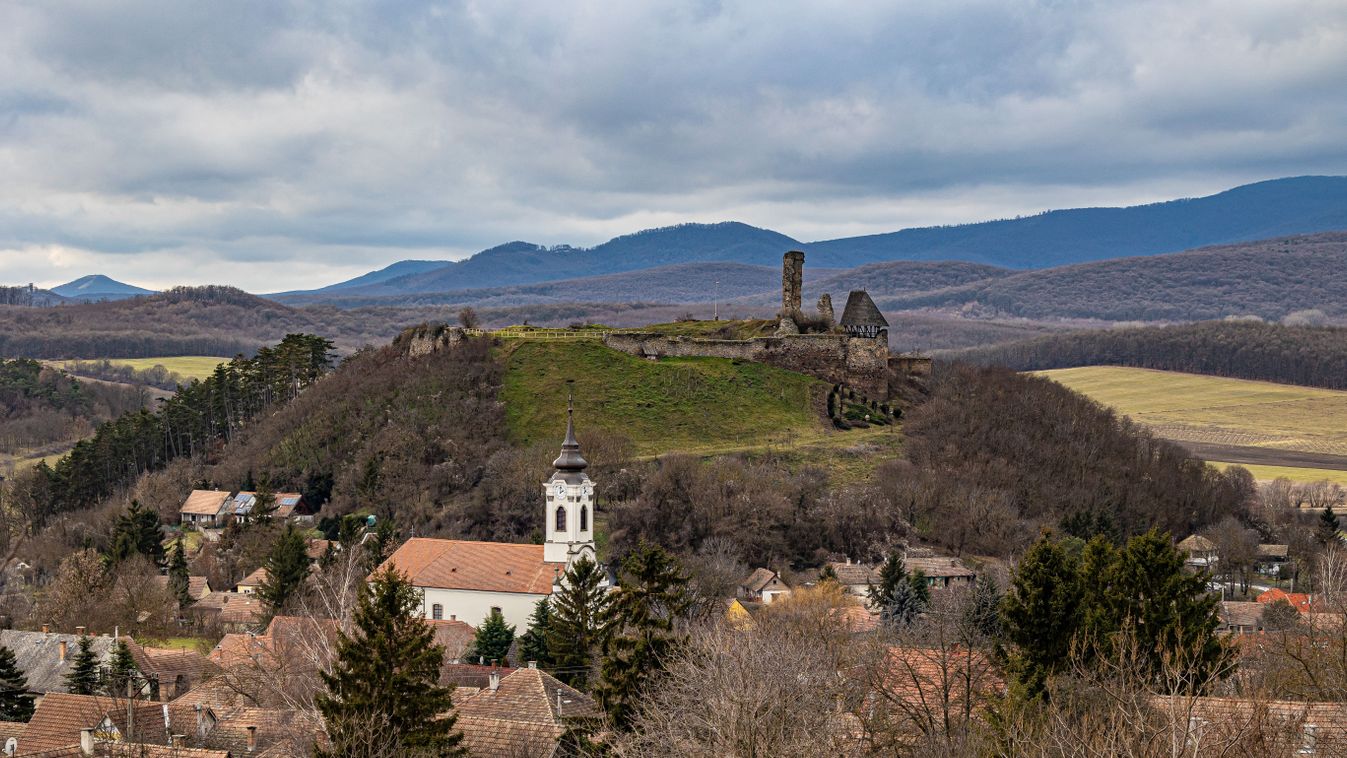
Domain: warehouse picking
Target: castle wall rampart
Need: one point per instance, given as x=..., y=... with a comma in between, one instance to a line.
x=861, y=363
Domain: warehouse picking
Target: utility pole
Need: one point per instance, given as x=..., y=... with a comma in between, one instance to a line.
x=716, y=298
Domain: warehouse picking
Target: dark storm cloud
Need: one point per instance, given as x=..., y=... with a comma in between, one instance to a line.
x=167, y=142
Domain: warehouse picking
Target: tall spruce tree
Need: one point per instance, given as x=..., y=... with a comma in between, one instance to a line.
x=287, y=567
x=122, y=670
x=383, y=694
x=983, y=612
x=651, y=598
x=179, y=580
x=899, y=596
x=494, y=638
x=136, y=532
x=264, y=504
x=16, y=704
x=1166, y=609
x=83, y=678
x=1041, y=615
x=533, y=643
x=1328, y=529
x=576, y=630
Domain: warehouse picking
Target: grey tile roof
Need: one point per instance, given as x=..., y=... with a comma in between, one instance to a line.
x=39, y=656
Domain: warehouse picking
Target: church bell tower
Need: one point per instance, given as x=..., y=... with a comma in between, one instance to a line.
x=568, y=497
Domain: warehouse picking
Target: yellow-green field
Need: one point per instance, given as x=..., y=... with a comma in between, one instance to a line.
x=186, y=366
x=1294, y=473
x=1218, y=411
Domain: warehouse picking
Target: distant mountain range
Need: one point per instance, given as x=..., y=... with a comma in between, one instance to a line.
x=1268, y=209
x=97, y=287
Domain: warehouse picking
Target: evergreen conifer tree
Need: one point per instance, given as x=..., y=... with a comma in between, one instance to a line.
x=1328, y=529
x=1166, y=609
x=828, y=574
x=576, y=628
x=83, y=678
x=983, y=612
x=179, y=580
x=383, y=695
x=493, y=640
x=122, y=670
x=287, y=567
x=651, y=597
x=136, y=532
x=891, y=574
x=15, y=702
x=533, y=643
x=1040, y=614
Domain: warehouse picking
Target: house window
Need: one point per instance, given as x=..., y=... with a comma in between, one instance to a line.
x=561, y=519
x=437, y=612
x=584, y=518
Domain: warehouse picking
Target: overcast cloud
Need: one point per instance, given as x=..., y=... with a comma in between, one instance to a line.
x=276, y=145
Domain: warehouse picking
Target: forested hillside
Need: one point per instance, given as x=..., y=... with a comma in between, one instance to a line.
x=1310, y=356
x=43, y=410
x=1269, y=279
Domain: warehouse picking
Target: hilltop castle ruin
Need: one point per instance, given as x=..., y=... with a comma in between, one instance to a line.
x=857, y=356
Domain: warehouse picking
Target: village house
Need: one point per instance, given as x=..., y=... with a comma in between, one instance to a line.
x=1271, y=558
x=45, y=657
x=465, y=580
x=762, y=586
x=197, y=586
x=941, y=572
x=1239, y=617
x=205, y=508
x=523, y=712
x=1201, y=551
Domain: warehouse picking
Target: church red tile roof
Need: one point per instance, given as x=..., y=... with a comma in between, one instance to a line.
x=483, y=566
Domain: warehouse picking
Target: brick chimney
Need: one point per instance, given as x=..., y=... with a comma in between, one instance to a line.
x=493, y=681
x=79, y=630
x=46, y=629
x=87, y=741
x=63, y=651
x=252, y=738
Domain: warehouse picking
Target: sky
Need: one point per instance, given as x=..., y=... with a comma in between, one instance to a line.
x=287, y=144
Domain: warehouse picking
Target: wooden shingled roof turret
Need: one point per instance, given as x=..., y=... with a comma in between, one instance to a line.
x=862, y=311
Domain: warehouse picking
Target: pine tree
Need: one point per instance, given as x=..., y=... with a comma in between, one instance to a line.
x=1328, y=529
x=576, y=630
x=891, y=574
x=383, y=695
x=83, y=677
x=122, y=670
x=899, y=596
x=493, y=640
x=15, y=702
x=828, y=574
x=179, y=580
x=136, y=532
x=1040, y=614
x=651, y=597
x=1166, y=609
x=287, y=567
x=533, y=643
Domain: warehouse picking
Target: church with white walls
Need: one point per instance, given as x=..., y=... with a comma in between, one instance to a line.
x=467, y=580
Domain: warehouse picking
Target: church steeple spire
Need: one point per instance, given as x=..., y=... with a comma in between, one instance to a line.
x=570, y=458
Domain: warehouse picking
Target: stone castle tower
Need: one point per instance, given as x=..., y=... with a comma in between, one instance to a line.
x=568, y=496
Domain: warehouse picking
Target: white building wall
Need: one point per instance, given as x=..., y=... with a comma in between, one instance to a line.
x=472, y=606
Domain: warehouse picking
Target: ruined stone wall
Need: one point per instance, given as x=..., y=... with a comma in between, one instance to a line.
x=912, y=365
x=792, y=283
x=424, y=340
x=856, y=362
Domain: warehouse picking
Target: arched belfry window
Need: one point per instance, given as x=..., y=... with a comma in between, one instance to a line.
x=584, y=518
x=561, y=519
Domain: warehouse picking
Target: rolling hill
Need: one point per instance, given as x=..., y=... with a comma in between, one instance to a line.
x=1279, y=207
x=1268, y=279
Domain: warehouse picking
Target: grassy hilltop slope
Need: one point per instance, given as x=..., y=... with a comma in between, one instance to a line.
x=683, y=404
